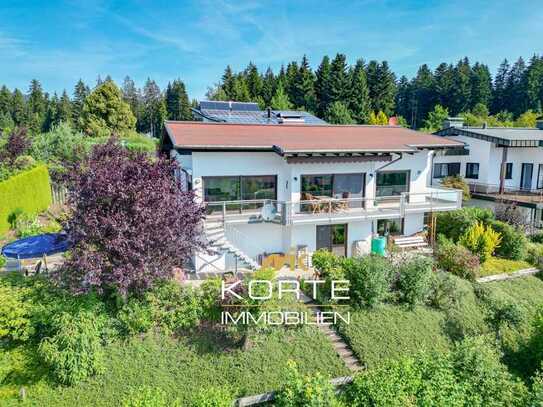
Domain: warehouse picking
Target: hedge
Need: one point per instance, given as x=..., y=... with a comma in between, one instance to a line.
x=30, y=191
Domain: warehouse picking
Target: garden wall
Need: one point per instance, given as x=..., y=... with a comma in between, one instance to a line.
x=29, y=190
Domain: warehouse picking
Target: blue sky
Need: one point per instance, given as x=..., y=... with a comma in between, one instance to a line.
x=60, y=41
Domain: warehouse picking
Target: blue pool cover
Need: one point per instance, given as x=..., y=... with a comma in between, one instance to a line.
x=37, y=246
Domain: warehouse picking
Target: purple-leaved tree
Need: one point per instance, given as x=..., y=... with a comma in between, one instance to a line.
x=130, y=222
x=17, y=144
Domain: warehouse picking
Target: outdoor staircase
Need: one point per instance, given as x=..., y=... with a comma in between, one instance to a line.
x=410, y=242
x=219, y=244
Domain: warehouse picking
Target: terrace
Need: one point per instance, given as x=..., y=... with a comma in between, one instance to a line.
x=532, y=198
x=324, y=208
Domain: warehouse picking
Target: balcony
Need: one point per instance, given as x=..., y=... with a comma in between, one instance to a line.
x=327, y=209
x=524, y=197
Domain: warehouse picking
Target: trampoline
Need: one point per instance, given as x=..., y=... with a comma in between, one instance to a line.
x=37, y=246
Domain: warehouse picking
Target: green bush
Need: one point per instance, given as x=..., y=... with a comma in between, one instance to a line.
x=75, y=350
x=513, y=244
x=537, y=238
x=481, y=240
x=15, y=313
x=457, y=182
x=213, y=397
x=454, y=224
x=444, y=293
x=471, y=375
x=414, y=280
x=147, y=396
x=174, y=307
x=3, y=261
x=534, y=255
x=369, y=279
x=29, y=191
x=136, y=316
x=305, y=391
x=324, y=261
x=27, y=225
x=456, y=259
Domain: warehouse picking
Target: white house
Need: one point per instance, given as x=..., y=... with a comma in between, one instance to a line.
x=498, y=163
x=284, y=188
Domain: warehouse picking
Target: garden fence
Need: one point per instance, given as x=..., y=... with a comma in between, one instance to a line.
x=59, y=194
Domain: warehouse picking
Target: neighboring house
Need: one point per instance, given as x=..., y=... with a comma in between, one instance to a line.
x=499, y=164
x=290, y=188
x=249, y=113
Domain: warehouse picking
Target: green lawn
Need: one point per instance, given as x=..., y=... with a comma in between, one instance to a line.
x=182, y=366
x=392, y=331
x=496, y=265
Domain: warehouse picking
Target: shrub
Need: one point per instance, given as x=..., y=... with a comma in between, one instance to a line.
x=3, y=261
x=24, y=162
x=174, y=307
x=454, y=224
x=305, y=391
x=28, y=191
x=481, y=241
x=534, y=254
x=369, y=279
x=75, y=351
x=444, y=293
x=15, y=313
x=537, y=237
x=457, y=259
x=27, y=225
x=211, y=396
x=510, y=214
x=136, y=316
x=513, y=243
x=324, y=261
x=414, y=279
x=457, y=182
x=147, y=396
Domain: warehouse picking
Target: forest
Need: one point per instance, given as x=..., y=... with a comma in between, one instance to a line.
x=363, y=93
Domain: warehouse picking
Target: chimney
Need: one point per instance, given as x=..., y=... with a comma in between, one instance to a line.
x=269, y=112
x=539, y=124
x=484, y=125
x=453, y=122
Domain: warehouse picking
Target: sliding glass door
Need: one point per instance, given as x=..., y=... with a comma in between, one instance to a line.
x=332, y=238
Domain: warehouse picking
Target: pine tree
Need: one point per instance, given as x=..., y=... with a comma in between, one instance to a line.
x=533, y=84
x=228, y=83
x=18, y=108
x=444, y=82
x=481, y=85
x=5, y=101
x=153, y=109
x=405, y=103
x=461, y=91
x=424, y=94
x=268, y=86
x=290, y=77
x=499, y=102
x=81, y=91
x=36, y=105
x=241, y=90
x=513, y=88
x=64, y=109
x=51, y=115
x=322, y=86
x=280, y=100
x=254, y=81
x=338, y=113
x=339, y=79
x=177, y=101
x=360, y=103
x=132, y=96
x=304, y=87
x=382, y=87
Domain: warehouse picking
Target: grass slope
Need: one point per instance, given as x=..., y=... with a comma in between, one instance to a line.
x=181, y=367
x=495, y=265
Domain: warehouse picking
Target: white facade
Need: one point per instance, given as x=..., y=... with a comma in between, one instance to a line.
x=254, y=236
x=489, y=158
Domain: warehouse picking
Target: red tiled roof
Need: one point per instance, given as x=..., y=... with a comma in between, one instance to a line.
x=293, y=138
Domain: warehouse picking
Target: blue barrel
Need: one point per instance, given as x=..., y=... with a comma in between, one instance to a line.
x=379, y=245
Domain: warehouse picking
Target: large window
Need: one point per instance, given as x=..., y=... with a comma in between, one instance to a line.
x=333, y=186
x=472, y=170
x=540, y=177
x=332, y=238
x=240, y=188
x=392, y=183
x=442, y=170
